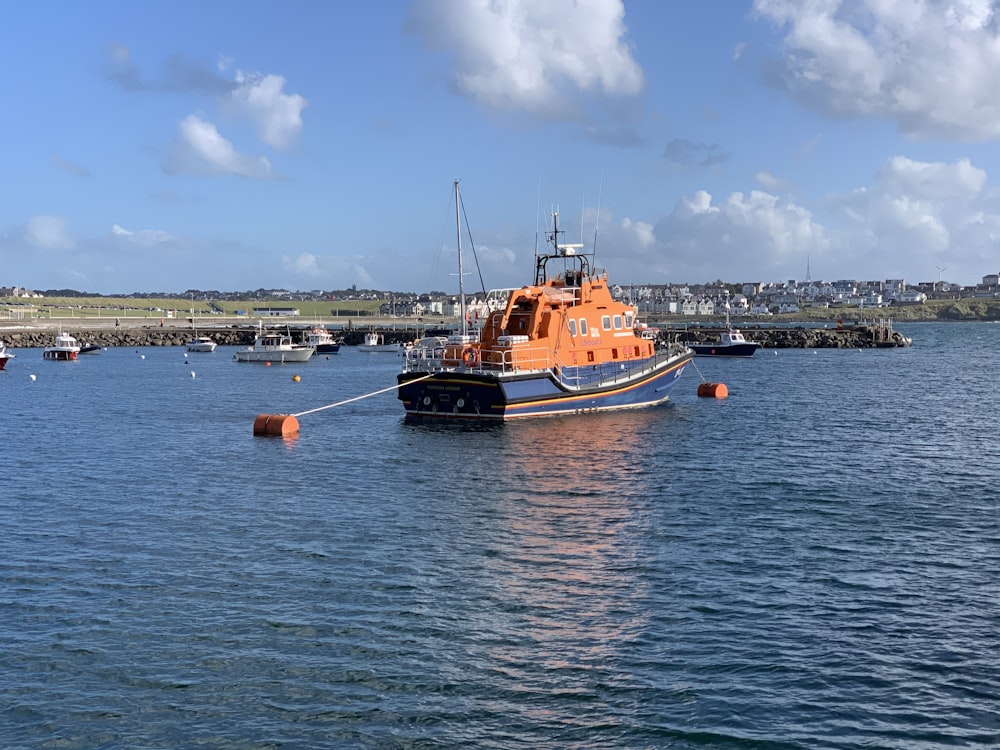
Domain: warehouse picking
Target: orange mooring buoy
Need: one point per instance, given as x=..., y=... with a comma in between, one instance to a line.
x=277, y=425
x=713, y=390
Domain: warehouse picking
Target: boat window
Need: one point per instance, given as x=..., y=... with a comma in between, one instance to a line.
x=614, y=354
x=583, y=326
x=637, y=352
x=572, y=327
x=618, y=322
x=606, y=322
x=628, y=320
x=590, y=356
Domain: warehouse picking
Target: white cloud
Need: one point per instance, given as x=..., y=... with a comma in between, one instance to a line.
x=927, y=64
x=330, y=271
x=202, y=149
x=48, y=233
x=523, y=55
x=277, y=115
x=917, y=215
x=769, y=181
x=144, y=237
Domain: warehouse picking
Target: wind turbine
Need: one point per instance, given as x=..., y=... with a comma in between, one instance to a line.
x=941, y=269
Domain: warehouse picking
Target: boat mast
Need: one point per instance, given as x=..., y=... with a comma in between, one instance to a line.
x=461, y=286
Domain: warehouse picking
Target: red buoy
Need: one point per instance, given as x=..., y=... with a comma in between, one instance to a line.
x=713, y=390
x=275, y=425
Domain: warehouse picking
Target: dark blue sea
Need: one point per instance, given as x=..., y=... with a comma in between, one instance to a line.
x=813, y=562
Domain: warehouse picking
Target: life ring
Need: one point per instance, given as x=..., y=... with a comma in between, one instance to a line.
x=470, y=356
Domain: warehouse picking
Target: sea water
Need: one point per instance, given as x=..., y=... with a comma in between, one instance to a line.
x=810, y=563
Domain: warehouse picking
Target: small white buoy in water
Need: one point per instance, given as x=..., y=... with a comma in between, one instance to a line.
x=32, y=376
x=192, y=373
x=142, y=356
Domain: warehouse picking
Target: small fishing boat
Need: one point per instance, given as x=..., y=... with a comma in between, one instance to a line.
x=562, y=345
x=276, y=347
x=5, y=355
x=65, y=349
x=90, y=348
x=732, y=343
x=375, y=342
x=323, y=341
x=201, y=344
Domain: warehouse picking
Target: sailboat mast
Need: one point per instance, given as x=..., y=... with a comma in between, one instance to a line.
x=461, y=286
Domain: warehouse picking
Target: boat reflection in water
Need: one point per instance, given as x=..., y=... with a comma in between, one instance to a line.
x=564, y=557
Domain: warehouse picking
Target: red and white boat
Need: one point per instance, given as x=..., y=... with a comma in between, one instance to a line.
x=5, y=355
x=65, y=349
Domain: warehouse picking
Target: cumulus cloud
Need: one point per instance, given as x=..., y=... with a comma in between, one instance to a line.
x=201, y=149
x=48, y=233
x=929, y=65
x=257, y=98
x=522, y=55
x=916, y=215
x=277, y=115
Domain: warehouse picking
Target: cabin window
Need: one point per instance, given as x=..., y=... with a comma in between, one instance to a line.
x=606, y=322
x=629, y=323
x=572, y=327
x=583, y=326
x=618, y=322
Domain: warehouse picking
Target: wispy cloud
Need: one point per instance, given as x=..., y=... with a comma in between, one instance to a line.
x=70, y=167
x=684, y=153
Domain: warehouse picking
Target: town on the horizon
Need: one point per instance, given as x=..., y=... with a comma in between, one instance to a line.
x=754, y=298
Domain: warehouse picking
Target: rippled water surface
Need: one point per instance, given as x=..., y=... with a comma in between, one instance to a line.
x=810, y=563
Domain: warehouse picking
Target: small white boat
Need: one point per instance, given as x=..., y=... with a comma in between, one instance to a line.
x=201, y=344
x=5, y=355
x=274, y=347
x=323, y=341
x=66, y=348
x=375, y=342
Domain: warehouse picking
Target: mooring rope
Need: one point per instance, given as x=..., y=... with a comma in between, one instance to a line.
x=358, y=398
x=703, y=378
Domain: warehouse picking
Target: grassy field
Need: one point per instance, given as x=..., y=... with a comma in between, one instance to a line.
x=127, y=307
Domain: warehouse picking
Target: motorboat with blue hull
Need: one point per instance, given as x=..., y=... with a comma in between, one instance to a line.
x=732, y=342
x=562, y=345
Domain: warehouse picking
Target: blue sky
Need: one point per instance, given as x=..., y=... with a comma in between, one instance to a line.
x=312, y=145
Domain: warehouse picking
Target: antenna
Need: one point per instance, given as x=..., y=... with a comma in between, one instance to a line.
x=597, y=221
x=538, y=213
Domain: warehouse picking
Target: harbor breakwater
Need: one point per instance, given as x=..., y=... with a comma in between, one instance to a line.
x=873, y=335
x=859, y=336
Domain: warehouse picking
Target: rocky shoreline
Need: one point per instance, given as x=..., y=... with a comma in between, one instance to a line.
x=858, y=336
